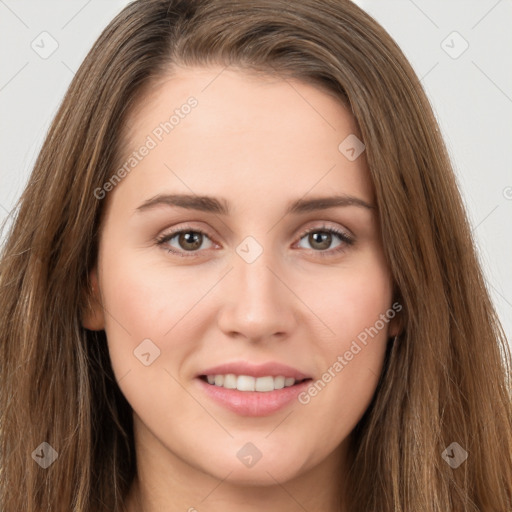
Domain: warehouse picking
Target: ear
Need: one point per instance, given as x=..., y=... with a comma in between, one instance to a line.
x=394, y=327
x=92, y=316
x=396, y=324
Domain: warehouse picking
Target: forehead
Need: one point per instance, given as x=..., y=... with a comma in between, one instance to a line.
x=237, y=99
x=244, y=128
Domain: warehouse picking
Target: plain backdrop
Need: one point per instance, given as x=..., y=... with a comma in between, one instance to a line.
x=460, y=49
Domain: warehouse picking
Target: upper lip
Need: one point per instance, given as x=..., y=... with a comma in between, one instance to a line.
x=272, y=368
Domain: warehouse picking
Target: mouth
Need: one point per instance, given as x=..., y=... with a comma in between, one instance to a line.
x=248, y=383
x=250, y=396
x=250, y=389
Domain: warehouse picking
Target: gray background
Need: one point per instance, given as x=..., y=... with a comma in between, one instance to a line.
x=470, y=90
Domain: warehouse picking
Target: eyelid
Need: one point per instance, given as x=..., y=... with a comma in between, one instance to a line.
x=324, y=226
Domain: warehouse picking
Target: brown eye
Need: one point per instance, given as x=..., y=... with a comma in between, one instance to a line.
x=321, y=238
x=190, y=240
x=184, y=241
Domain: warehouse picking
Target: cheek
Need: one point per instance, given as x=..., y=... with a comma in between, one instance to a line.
x=149, y=300
x=361, y=323
x=361, y=301
x=350, y=300
x=146, y=291
x=357, y=308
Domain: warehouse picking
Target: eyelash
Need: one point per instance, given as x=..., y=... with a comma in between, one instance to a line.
x=345, y=239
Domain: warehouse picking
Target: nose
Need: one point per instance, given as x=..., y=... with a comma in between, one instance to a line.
x=258, y=305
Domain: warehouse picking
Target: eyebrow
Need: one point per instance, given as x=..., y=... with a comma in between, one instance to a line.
x=221, y=206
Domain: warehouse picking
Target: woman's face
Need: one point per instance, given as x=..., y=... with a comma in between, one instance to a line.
x=222, y=245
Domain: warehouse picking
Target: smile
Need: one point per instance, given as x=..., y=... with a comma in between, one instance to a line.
x=250, y=402
x=248, y=383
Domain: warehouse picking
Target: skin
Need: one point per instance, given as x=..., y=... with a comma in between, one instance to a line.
x=259, y=142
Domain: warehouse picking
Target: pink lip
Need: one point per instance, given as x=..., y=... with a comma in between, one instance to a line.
x=252, y=403
x=273, y=369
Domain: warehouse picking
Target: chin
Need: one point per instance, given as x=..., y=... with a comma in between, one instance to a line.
x=246, y=465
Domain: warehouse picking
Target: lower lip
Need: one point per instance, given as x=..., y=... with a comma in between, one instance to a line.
x=253, y=403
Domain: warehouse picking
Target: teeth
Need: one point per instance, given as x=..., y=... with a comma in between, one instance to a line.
x=279, y=382
x=230, y=381
x=248, y=383
x=245, y=383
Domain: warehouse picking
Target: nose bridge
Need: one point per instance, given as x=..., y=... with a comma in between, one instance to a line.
x=257, y=283
x=259, y=305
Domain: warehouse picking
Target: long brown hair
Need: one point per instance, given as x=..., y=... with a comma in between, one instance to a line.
x=446, y=379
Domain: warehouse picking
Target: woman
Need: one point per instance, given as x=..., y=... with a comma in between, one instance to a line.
x=246, y=369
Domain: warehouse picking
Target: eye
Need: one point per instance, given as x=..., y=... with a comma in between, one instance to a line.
x=188, y=239
x=191, y=240
x=321, y=238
